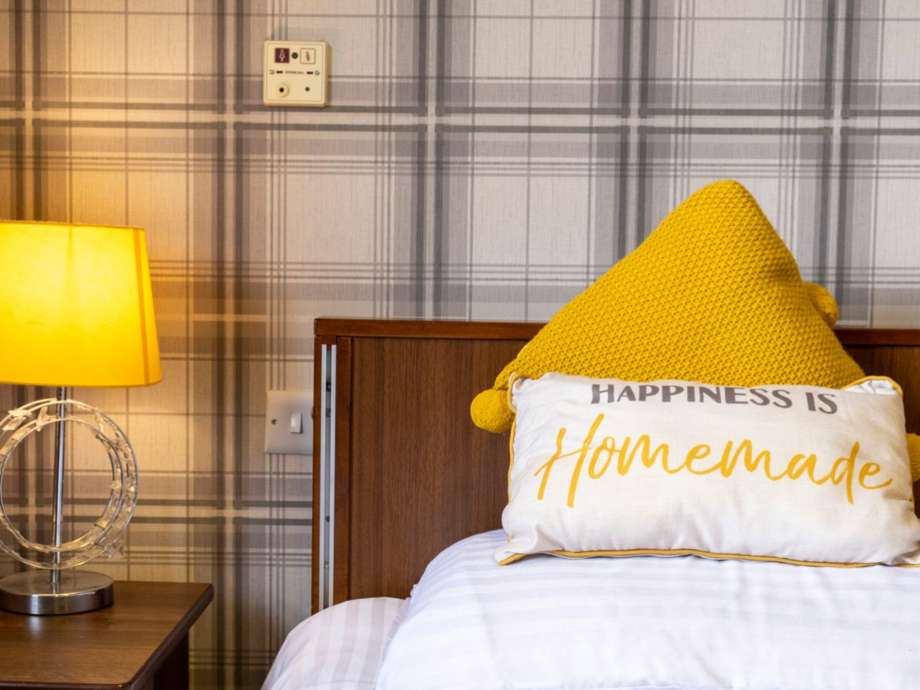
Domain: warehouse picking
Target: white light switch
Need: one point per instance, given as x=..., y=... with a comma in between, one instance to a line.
x=288, y=422
x=296, y=73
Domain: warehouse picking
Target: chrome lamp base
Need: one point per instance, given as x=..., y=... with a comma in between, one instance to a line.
x=34, y=593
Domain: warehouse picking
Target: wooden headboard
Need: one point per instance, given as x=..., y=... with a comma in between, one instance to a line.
x=400, y=471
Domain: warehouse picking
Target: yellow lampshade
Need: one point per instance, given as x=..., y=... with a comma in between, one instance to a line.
x=76, y=308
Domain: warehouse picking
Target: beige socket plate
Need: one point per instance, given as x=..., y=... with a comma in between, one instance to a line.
x=296, y=73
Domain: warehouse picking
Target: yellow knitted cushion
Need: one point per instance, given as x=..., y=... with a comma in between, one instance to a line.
x=712, y=295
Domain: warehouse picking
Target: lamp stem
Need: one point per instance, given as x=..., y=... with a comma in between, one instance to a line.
x=57, y=509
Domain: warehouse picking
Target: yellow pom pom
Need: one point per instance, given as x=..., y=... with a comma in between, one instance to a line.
x=490, y=411
x=824, y=302
x=913, y=451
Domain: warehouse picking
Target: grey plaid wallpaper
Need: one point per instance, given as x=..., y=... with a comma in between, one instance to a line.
x=482, y=159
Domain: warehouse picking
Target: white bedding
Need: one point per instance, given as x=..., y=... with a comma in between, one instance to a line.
x=340, y=648
x=653, y=623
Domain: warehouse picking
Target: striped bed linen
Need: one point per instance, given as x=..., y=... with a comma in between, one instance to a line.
x=339, y=648
x=653, y=623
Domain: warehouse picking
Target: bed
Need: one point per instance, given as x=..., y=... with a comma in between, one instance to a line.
x=401, y=475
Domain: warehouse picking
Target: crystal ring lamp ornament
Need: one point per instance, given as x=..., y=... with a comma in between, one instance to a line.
x=106, y=536
x=77, y=311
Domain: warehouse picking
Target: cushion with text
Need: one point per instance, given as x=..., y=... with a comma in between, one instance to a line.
x=800, y=474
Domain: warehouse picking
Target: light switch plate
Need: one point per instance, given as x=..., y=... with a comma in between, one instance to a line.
x=289, y=422
x=296, y=73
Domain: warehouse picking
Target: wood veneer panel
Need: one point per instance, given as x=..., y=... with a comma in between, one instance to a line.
x=891, y=337
x=407, y=328
x=422, y=475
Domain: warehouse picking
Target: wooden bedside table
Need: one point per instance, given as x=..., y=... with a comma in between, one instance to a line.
x=139, y=642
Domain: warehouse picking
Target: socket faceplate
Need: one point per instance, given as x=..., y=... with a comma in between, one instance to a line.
x=296, y=73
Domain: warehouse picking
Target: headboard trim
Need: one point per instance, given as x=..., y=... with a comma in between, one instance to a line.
x=524, y=330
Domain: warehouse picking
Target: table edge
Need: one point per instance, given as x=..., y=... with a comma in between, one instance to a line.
x=169, y=643
x=150, y=666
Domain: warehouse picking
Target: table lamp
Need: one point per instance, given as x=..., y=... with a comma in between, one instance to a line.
x=76, y=309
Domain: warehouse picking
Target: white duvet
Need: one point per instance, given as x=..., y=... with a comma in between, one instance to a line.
x=340, y=648
x=652, y=623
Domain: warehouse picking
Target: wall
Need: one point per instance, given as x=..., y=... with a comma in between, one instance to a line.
x=483, y=159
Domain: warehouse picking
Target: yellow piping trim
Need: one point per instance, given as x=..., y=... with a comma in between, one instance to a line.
x=890, y=380
x=625, y=553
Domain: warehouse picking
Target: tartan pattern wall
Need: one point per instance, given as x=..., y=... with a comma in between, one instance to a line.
x=482, y=159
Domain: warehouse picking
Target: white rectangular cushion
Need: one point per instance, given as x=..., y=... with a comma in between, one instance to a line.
x=799, y=474
x=645, y=623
